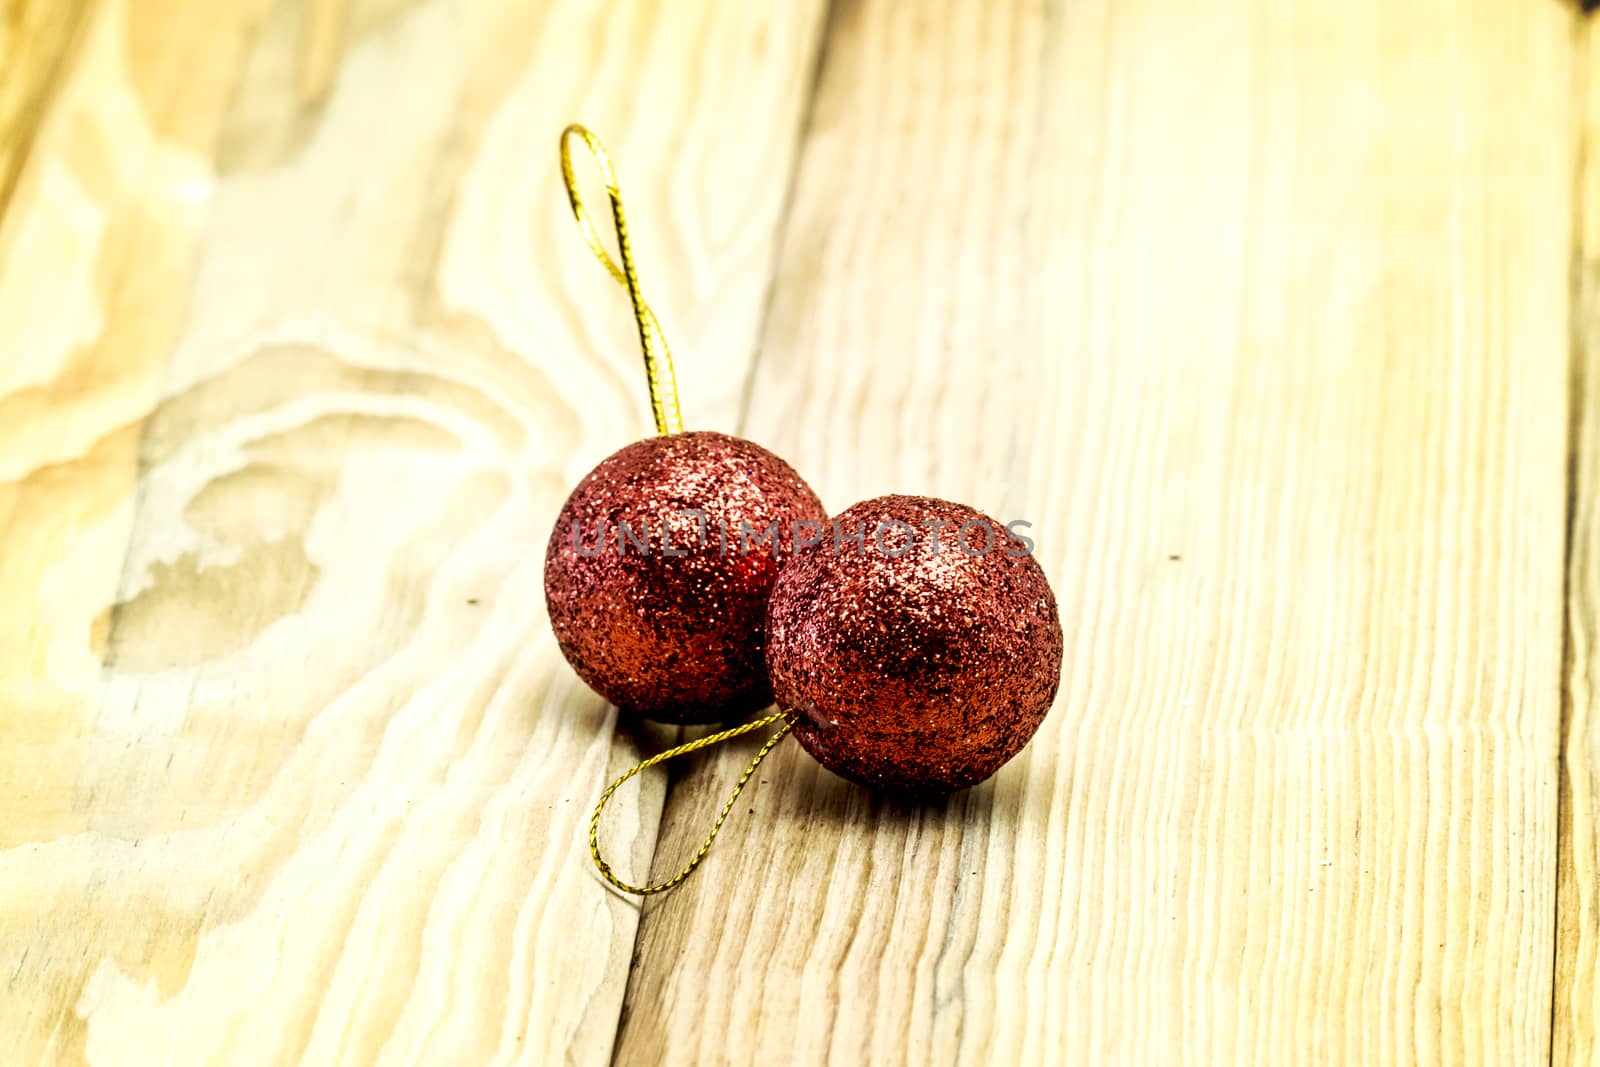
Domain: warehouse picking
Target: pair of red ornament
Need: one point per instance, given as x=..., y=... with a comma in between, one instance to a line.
x=695, y=577
x=907, y=653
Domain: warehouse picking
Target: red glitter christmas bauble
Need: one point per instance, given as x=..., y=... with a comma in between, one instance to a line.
x=921, y=657
x=659, y=567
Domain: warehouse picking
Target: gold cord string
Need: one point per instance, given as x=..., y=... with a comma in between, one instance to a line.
x=657, y=356
x=716, y=827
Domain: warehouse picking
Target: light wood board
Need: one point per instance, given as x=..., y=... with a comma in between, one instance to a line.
x=303, y=351
x=1259, y=312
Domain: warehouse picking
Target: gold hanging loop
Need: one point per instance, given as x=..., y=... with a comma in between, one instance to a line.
x=682, y=750
x=657, y=356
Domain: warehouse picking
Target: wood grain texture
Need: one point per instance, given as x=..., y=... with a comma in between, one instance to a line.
x=310, y=354
x=1576, y=1039
x=36, y=37
x=1259, y=312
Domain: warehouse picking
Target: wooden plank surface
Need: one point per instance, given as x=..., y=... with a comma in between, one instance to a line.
x=1576, y=1039
x=302, y=354
x=1259, y=312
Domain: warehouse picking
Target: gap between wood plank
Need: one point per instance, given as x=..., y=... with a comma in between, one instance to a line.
x=802, y=129
x=1573, y=1011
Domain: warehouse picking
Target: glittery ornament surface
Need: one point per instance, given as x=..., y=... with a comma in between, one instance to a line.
x=657, y=574
x=915, y=662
